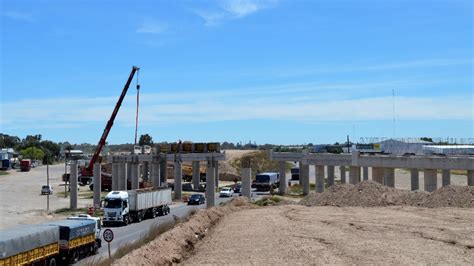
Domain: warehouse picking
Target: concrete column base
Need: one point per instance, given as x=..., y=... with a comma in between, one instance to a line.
x=431, y=180
x=342, y=168
x=155, y=174
x=164, y=173
x=415, y=179
x=354, y=175
x=210, y=186
x=246, y=182
x=283, y=182
x=178, y=179
x=365, y=173
x=330, y=173
x=73, y=186
x=378, y=174
x=319, y=178
x=134, y=175
x=446, y=178
x=470, y=177
x=304, y=178
x=389, y=177
x=196, y=174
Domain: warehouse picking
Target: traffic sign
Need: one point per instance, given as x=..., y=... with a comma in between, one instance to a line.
x=108, y=235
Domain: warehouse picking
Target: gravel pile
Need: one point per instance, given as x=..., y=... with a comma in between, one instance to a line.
x=373, y=194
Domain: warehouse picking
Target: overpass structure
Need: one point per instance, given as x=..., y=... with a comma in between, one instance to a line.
x=383, y=168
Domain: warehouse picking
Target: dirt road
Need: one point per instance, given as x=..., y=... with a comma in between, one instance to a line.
x=295, y=234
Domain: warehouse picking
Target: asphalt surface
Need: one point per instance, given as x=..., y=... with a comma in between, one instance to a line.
x=124, y=235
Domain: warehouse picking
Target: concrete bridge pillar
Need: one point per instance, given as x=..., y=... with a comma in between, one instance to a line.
x=354, y=175
x=134, y=169
x=246, y=182
x=431, y=180
x=415, y=179
x=378, y=174
x=122, y=176
x=216, y=174
x=196, y=174
x=129, y=172
x=304, y=177
x=146, y=171
x=389, y=177
x=319, y=178
x=115, y=170
x=178, y=178
x=211, y=184
x=342, y=168
x=446, y=178
x=73, y=186
x=97, y=185
x=283, y=182
x=470, y=177
x=164, y=172
x=155, y=174
x=365, y=172
x=330, y=173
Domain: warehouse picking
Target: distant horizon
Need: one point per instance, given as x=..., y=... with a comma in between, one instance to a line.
x=270, y=71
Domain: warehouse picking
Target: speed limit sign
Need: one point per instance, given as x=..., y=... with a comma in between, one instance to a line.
x=108, y=235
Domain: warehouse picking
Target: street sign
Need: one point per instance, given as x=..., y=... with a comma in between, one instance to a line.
x=108, y=235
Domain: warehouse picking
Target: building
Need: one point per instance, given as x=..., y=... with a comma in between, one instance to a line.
x=401, y=147
x=449, y=149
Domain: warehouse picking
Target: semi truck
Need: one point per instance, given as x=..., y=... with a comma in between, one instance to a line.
x=267, y=181
x=60, y=242
x=124, y=207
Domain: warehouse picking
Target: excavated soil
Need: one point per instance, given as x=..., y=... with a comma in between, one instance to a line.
x=373, y=194
x=176, y=244
x=300, y=235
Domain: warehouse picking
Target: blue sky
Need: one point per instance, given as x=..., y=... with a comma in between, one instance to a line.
x=267, y=71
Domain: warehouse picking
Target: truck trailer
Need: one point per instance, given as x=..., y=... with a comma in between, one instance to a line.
x=123, y=207
x=58, y=242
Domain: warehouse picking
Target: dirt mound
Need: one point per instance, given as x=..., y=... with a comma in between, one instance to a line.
x=373, y=194
x=450, y=196
x=176, y=244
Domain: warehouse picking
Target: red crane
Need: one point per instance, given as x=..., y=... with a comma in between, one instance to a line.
x=89, y=170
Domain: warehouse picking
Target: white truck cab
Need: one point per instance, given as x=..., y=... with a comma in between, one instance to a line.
x=116, y=207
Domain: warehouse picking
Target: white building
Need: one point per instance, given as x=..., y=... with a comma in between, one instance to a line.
x=401, y=147
x=449, y=149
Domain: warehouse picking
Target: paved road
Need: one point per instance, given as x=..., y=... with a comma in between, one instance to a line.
x=127, y=234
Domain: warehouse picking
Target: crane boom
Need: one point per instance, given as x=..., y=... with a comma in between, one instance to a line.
x=89, y=170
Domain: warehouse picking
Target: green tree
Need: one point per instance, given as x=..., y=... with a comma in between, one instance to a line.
x=7, y=141
x=32, y=153
x=145, y=140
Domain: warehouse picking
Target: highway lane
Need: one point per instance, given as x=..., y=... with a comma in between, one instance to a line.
x=124, y=235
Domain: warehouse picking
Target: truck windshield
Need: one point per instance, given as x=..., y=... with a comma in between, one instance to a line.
x=295, y=170
x=113, y=203
x=263, y=178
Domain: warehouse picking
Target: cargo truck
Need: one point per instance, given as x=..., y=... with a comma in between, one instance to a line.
x=59, y=242
x=123, y=207
x=267, y=181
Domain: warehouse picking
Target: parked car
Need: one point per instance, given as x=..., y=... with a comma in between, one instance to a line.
x=226, y=192
x=237, y=188
x=46, y=190
x=196, y=199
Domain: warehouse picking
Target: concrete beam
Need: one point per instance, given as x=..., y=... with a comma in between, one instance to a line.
x=246, y=182
x=415, y=179
x=134, y=169
x=342, y=169
x=283, y=181
x=319, y=170
x=196, y=174
x=378, y=174
x=330, y=173
x=115, y=174
x=210, y=185
x=304, y=178
x=354, y=175
x=431, y=180
x=470, y=178
x=185, y=157
x=446, y=178
x=73, y=186
x=97, y=185
x=365, y=172
x=178, y=179
x=389, y=177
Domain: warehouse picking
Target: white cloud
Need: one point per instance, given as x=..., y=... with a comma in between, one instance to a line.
x=150, y=26
x=18, y=16
x=233, y=9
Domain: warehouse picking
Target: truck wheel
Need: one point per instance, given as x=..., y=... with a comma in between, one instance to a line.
x=52, y=262
x=139, y=217
x=153, y=213
x=126, y=220
x=74, y=257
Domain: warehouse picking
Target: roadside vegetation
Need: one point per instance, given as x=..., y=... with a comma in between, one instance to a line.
x=259, y=162
x=268, y=201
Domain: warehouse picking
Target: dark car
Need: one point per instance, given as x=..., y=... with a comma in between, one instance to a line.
x=237, y=188
x=196, y=199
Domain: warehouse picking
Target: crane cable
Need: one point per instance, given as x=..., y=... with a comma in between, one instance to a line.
x=138, y=103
